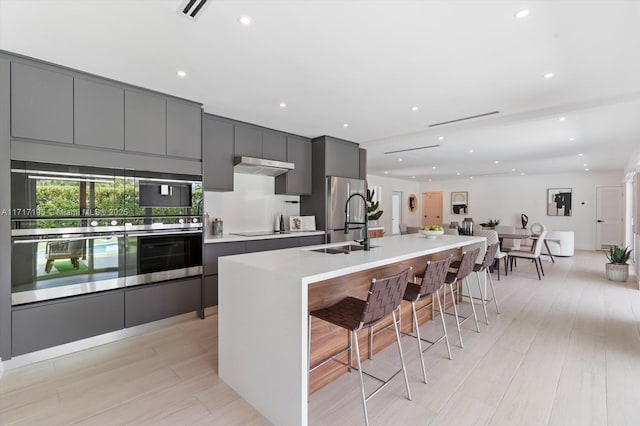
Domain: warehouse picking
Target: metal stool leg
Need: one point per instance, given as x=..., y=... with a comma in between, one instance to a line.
x=309, y=358
x=484, y=305
x=493, y=293
x=364, y=397
x=444, y=326
x=473, y=305
x=455, y=311
x=404, y=369
x=417, y=329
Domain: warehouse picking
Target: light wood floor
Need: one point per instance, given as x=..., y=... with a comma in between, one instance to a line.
x=565, y=350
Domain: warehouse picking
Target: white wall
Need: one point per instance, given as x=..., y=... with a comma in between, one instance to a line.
x=252, y=206
x=506, y=197
x=388, y=186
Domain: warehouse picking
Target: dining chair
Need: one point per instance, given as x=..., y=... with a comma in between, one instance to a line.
x=492, y=238
x=532, y=255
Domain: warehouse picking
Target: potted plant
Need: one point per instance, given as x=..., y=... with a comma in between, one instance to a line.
x=617, y=268
x=373, y=214
x=490, y=224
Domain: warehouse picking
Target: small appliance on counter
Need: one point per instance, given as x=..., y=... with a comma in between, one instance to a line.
x=216, y=227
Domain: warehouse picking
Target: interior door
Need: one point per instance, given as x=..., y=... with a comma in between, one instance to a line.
x=431, y=208
x=396, y=212
x=609, y=217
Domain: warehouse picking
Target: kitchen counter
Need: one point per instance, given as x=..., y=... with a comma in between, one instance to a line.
x=264, y=300
x=225, y=238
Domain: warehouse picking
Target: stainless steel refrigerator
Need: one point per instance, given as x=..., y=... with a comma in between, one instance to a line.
x=338, y=191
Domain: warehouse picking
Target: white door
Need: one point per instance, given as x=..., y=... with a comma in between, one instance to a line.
x=609, y=217
x=396, y=212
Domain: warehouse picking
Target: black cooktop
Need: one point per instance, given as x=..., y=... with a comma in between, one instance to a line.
x=259, y=233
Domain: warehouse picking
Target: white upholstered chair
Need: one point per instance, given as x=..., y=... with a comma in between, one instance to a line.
x=492, y=238
x=532, y=255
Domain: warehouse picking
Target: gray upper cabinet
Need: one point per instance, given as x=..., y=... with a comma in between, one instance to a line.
x=248, y=140
x=217, y=154
x=145, y=123
x=342, y=159
x=184, y=129
x=298, y=180
x=274, y=145
x=98, y=114
x=41, y=104
x=363, y=164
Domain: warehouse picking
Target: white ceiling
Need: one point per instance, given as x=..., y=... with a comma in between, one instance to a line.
x=366, y=63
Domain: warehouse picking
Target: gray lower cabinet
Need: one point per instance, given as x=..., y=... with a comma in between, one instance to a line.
x=274, y=145
x=217, y=154
x=184, y=129
x=298, y=180
x=312, y=240
x=211, y=291
x=214, y=250
x=145, y=123
x=98, y=114
x=272, y=244
x=41, y=104
x=49, y=324
x=164, y=300
x=342, y=158
x=248, y=140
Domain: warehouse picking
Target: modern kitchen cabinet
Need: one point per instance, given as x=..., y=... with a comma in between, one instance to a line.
x=217, y=154
x=342, y=158
x=248, y=140
x=184, y=129
x=158, y=301
x=145, y=123
x=41, y=104
x=274, y=145
x=213, y=251
x=363, y=163
x=44, y=325
x=98, y=114
x=298, y=180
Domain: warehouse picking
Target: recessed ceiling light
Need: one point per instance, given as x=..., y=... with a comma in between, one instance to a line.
x=497, y=162
x=413, y=177
x=283, y=105
x=562, y=118
x=181, y=73
x=441, y=138
x=572, y=139
x=386, y=172
x=522, y=13
x=548, y=75
x=415, y=108
x=586, y=170
x=345, y=125
x=513, y=170
x=434, y=167
x=522, y=174
x=399, y=159
x=244, y=20
x=585, y=165
x=429, y=179
x=470, y=150
x=580, y=155
x=458, y=173
x=470, y=177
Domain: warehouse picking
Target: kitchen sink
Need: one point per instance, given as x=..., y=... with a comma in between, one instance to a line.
x=346, y=249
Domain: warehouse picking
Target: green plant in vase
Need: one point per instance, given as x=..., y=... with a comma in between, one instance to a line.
x=617, y=269
x=373, y=212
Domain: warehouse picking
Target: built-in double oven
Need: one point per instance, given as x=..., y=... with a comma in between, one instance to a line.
x=78, y=230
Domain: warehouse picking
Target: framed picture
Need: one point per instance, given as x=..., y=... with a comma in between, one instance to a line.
x=459, y=202
x=413, y=202
x=559, y=202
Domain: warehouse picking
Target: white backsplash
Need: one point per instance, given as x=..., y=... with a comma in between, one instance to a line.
x=252, y=206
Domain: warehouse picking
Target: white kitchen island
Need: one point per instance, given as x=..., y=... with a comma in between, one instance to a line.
x=263, y=313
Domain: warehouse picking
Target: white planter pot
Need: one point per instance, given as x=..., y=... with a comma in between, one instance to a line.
x=617, y=272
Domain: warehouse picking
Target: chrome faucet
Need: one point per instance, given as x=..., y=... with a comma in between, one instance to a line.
x=365, y=242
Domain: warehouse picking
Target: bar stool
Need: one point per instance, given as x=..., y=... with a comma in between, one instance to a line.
x=489, y=257
x=464, y=268
x=352, y=314
x=432, y=281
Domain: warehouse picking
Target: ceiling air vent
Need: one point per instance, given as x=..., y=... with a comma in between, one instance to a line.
x=463, y=119
x=192, y=8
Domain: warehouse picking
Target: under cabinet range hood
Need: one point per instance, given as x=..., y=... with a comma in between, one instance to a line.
x=261, y=166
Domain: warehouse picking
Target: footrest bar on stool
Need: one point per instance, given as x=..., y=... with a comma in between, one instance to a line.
x=332, y=358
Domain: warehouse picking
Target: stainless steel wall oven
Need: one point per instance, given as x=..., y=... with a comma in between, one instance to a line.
x=78, y=230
